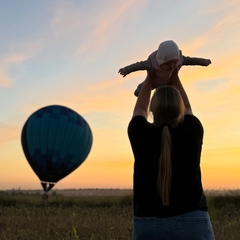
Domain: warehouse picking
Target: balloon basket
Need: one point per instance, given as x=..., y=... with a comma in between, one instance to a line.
x=47, y=186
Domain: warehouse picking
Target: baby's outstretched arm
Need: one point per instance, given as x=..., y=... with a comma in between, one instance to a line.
x=123, y=72
x=206, y=62
x=196, y=61
x=143, y=65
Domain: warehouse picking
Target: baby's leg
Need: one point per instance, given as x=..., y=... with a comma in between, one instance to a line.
x=136, y=92
x=157, y=81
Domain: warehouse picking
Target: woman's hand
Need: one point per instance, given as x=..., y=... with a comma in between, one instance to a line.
x=175, y=73
x=151, y=77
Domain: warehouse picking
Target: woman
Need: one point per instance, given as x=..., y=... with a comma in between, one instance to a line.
x=169, y=202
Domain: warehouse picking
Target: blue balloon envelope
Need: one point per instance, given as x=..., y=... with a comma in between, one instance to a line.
x=55, y=140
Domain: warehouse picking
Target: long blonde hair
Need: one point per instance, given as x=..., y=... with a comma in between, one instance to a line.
x=168, y=110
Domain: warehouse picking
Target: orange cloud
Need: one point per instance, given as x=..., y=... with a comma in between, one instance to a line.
x=101, y=25
x=5, y=62
x=105, y=25
x=221, y=6
x=9, y=132
x=5, y=81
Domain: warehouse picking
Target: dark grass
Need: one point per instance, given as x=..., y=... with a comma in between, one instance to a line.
x=88, y=217
x=224, y=210
x=27, y=217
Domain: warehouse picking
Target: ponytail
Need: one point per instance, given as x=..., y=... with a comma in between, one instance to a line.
x=165, y=167
x=168, y=108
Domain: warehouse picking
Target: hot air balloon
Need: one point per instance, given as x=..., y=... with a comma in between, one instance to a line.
x=55, y=140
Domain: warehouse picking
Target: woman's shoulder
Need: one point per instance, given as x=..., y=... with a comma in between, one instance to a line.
x=138, y=123
x=138, y=128
x=138, y=119
x=191, y=118
x=192, y=124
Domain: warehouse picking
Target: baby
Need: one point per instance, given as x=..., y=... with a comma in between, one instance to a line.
x=162, y=62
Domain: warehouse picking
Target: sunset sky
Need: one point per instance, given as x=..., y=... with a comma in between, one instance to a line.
x=69, y=53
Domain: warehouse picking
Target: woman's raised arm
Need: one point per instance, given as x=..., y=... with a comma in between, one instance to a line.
x=141, y=106
x=178, y=85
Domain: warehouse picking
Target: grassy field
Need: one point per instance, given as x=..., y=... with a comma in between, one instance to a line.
x=27, y=216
